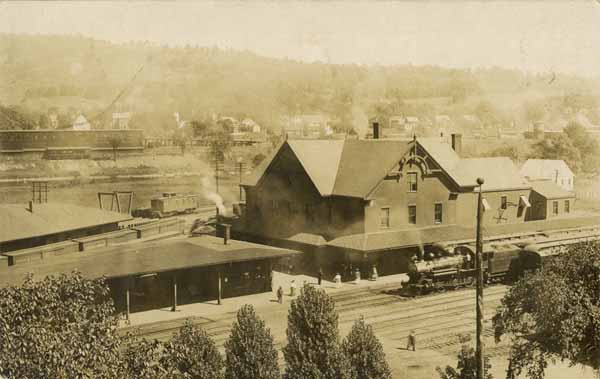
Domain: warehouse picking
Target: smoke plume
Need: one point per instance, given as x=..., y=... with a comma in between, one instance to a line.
x=211, y=195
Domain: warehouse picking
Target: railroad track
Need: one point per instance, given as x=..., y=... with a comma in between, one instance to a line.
x=438, y=320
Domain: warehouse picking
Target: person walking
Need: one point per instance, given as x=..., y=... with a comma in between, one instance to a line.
x=280, y=295
x=412, y=341
x=320, y=275
x=357, y=276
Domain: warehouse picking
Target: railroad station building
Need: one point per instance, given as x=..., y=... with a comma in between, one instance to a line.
x=375, y=201
x=167, y=273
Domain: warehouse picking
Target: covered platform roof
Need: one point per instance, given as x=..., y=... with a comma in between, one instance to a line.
x=147, y=258
x=17, y=222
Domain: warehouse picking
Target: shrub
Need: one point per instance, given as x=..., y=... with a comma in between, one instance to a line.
x=365, y=353
x=313, y=349
x=250, y=353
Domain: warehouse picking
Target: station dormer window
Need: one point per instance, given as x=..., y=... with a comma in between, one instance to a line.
x=412, y=182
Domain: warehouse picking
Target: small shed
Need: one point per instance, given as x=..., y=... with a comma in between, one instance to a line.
x=548, y=200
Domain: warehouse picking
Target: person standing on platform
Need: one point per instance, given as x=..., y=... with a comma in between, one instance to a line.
x=338, y=280
x=320, y=275
x=280, y=295
x=293, y=288
x=374, y=274
x=357, y=276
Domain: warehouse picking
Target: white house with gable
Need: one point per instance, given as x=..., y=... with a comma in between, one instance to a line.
x=555, y=170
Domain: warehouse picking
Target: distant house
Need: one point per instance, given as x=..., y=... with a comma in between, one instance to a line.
x=81, y=123
x=305, y=126
x=120, y=120
x=250, y=125
x=397, y=122
x=556, y=171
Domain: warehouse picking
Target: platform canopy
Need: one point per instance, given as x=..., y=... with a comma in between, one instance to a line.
x=147, y=258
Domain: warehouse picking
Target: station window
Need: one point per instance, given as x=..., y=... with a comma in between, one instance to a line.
x=438, y=213
x=503, y=202
x=385, y=217
x=555, y=207
x=412, y=214
x=412, y=182
x=567, y=206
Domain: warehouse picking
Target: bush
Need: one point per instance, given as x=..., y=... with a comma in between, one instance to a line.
x=313, y=349
x=193, y=354
x=365, y=353
x=466, y=368
x=59, y=327
x=250, y=353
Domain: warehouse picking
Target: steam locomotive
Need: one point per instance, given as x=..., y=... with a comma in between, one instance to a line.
x=445, y=268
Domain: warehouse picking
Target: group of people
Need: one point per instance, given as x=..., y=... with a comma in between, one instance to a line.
x=337, y=279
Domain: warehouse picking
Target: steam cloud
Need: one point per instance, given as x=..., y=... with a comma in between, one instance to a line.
x=213, y=196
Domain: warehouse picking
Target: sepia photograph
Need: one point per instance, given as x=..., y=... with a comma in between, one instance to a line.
x=300, y=189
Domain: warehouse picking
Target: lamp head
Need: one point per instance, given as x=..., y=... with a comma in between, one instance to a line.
x=480, y=181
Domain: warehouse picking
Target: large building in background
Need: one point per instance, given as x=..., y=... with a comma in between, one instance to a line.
x=367, y=199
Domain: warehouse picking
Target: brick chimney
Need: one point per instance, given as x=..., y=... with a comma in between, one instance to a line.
x=457, y=143
x=224, y=230
x=375, y=129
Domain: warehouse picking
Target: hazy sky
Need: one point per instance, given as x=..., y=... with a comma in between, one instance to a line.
x=534, y=36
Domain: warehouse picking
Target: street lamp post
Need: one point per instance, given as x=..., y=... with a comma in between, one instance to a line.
x=479, y=301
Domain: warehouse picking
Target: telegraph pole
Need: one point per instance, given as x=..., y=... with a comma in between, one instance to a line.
x=217, y=180
x=241, y=164
x=479, y=302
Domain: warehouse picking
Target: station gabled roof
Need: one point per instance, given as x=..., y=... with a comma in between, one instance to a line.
x=545, y=169
x=17, y=222
x=340, y=167
x=499, y=173
x=146, y=258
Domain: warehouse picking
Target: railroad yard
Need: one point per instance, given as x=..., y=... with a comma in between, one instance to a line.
x=440, y=322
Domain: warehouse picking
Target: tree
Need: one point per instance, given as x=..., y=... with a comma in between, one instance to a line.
x=313, y=350
x=140, y=359
x=115, y=143
x=365, y=353
x=59, y=327
x=554, y=312
x=193, y=354
x=588, y=146
x=558, y=147
x=250, y=353
x=466, y=368
x=220, y=143
x=258, y=158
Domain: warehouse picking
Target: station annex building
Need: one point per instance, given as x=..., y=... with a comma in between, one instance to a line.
x=379, y=202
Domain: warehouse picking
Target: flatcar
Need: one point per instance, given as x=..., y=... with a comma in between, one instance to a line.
x=170, y=204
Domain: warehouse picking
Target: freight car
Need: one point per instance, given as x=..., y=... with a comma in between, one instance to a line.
x=444, y=268
x=170, y=204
